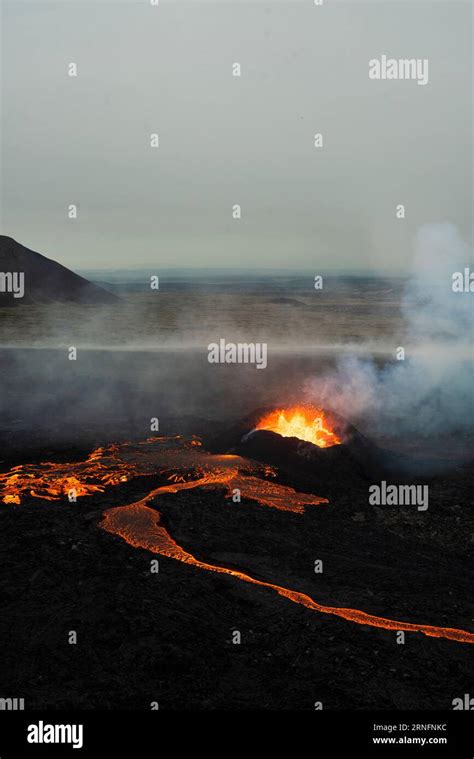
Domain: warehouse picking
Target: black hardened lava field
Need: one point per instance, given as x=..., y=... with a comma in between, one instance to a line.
x=211, y=570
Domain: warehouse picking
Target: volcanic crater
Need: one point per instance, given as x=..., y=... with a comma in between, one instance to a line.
x=259, y=510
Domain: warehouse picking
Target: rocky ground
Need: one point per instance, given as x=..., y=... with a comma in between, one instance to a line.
x=167, y=637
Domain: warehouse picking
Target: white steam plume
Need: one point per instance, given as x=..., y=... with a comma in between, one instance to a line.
x=431, y=392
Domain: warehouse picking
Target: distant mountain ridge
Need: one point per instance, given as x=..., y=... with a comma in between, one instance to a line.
x=43, y=280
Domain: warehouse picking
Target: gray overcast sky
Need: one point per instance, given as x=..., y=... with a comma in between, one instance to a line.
x=226, y=140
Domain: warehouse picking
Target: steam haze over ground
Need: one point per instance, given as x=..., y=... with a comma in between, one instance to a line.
x=431, y=391
x=147, y=355
x=306, y=211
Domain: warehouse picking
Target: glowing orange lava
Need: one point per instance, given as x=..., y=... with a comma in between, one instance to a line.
x=141, y=527
x=304, y=422
x=53, y=481
x=185, y=465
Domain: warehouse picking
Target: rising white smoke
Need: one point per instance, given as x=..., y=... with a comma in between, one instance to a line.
x=431, y=392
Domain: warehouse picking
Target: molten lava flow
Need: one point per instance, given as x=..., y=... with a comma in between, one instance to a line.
x=52, y=481
x=304, y=422
x=176, y=459
x=141, y=527
x=185, y=465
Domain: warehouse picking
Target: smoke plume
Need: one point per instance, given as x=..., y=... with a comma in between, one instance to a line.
x=431, y=391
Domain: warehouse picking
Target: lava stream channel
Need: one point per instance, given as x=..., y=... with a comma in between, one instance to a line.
x=140, y=526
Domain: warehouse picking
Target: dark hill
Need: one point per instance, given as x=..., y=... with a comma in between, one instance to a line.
x=45, y=281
